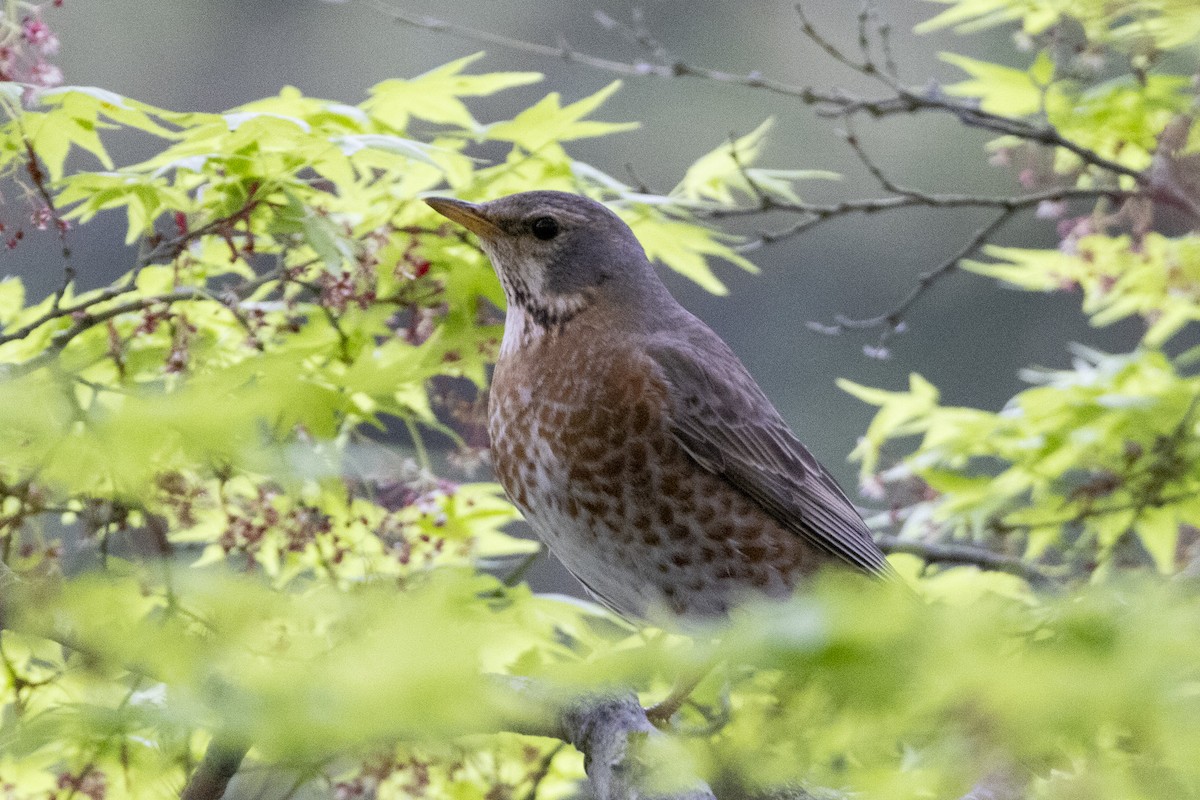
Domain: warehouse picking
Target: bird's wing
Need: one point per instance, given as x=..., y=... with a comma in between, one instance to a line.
x=728, y=426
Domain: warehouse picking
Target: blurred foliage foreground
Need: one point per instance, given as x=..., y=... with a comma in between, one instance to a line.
x=201, y=543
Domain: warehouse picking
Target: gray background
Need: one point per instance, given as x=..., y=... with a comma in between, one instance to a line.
x=970, y=337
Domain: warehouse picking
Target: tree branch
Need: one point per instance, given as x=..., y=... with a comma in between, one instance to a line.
x=612, y=733
x=909, y=198
x=85, y=318
x=221, y=762
x=893, y=318
x=966, y=555
x=630, y=69
x=38, y=176
x=835, y=103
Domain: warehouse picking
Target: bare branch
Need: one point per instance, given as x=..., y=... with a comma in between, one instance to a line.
x=612, y=731
x=967, y=555
x=865, y=67
x=913, y=198
x=562, y=52
x=904, y=100
x=221, y=762
x=638, y=33
x=604, y=730
x=33, y=166
x=883, y=32
x=908, y=101
x=876, y=171
x=893, y=318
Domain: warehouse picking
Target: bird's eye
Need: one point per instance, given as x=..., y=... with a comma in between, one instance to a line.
x=545, y=228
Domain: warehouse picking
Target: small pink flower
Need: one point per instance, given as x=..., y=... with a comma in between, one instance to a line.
x=45, y=74
x=39, y=35
x=42, y=217
x=1027, y=178
x=1051, y=209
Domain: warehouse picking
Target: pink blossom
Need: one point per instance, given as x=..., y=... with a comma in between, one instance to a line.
x=1051, y=209
x=45, y=74
x=38, y=34
x=1071, y=230
x=42, y=217
x=1027, y=178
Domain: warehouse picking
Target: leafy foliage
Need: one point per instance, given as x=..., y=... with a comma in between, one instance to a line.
x=1156, y=278
x=206, y=540
x=289, y=291
x=1092, y=457
x=1126, y=25
x=1097, y=465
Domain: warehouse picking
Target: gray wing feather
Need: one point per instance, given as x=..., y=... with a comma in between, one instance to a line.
x=729, y=427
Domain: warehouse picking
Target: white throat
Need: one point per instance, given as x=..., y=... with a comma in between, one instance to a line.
x=519, y=330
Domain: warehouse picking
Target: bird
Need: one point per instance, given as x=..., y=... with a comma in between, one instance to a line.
x=630, y=436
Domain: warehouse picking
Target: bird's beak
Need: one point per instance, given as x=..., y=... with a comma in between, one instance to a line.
x=469, y=215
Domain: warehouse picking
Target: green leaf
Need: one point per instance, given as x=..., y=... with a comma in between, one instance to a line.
x=434, y=96
x=1041, y=71
x=1158, y=530
x=321, y=233
x=684, y=246
x=549, y=121
x=729, y=169
x=1000, y=89
x=12, y=298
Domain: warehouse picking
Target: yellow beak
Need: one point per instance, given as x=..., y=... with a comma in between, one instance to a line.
x=469, y=215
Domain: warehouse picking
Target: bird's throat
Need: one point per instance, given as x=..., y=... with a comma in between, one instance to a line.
x=529, y=319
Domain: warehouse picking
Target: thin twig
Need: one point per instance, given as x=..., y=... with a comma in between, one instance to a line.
x=877, y=171
x=911, y=198
x=675, y=69
x=968, y=112
x=813, y=214
x=169, y=249
x=904, y=100
x=38, y=176
x=85, y=318
x=895, y=316
x=967, y=555
x=865, y=67
x=543, y=770
x=638, y=33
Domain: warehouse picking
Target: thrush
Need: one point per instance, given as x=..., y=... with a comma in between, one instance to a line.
x=633, y=440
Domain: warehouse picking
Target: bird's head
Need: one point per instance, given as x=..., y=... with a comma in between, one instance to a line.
x=555, y=253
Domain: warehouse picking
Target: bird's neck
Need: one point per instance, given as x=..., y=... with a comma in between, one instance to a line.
x=531, y=317
x=638, y=308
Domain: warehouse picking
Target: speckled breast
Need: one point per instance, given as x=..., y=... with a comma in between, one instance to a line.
x=581, y=441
